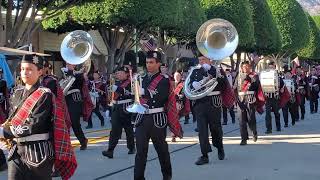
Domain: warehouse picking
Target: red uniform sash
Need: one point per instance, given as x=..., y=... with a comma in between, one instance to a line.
x=87, y=103
x=186, y=108
x=171, y=109
x=65, y=161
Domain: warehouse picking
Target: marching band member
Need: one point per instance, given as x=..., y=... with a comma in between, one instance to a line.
x=96, y=88
x=303, y=87
x=75, y=103
x=183, y=104
x=314, y=83
x=292, y=105
x=273, y=104
x=224, y=109
x=4, y=95
x=36, y=125
x=251, y=99
x=155, y=92
x=120, y=118
x=208, y=109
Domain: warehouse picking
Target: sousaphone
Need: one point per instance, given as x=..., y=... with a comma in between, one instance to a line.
x=216, y=39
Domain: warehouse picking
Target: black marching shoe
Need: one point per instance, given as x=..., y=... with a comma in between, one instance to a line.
x=293, y=123
x=286, y=125
x=3, y=167
x=84, y=145
x=89, y=127
x=221, y=154
x=255, y=138
x=278, y=129
x=108, y=153
x=202, y=160
x=132, y=151
x=268, y=132
x=243, y=142
x=302, y=117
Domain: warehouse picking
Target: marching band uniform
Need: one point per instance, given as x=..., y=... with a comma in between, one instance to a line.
x=303, y=86
x=74, y=100
x=153, y=123
x=273, y=104
x=120, y=118
x=251, y=99
x=183, y=103
x=3, y=113
x=225, y=109
x=314, y=82
x=39, y=133
x=208, y=110
x=97, y=92
x=292, y=105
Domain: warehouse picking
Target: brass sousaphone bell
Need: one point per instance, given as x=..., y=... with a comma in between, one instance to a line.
x=216, y=39
x=76, y=48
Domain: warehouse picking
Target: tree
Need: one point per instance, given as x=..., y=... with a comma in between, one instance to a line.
x=312, y=50
x=317, y=20
x=267, y=36
x=292, y=24
x=115, y=21
x=239, y=13
x=20, y=25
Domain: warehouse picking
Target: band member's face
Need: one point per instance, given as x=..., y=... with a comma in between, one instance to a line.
x=71, y=66
x=30, y=73
x=96, y=76
x=313, y=71
x=152, y=65
x=246, y=68
x=271, y=66
x=121, y=75
x=287, y=75
x=177, y=77
x=204, y=60
x=299, y=71
x=164, y=69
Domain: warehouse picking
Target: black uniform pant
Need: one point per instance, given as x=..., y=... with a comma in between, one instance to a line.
x=302, y=107
x=145, y=131
x=2, y=158
x=225, y=114
x=272, y=104
x=120, y=120
x=96, y=110
x=248, y=117
x=314, y=105
x=18, y=169
x=292, y=108
x=208, y=116
x=75, y=111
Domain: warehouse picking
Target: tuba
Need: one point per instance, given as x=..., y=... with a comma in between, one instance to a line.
x=216, y=39
x=76, y=48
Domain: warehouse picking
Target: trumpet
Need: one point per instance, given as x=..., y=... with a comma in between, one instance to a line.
x=110, y=94
x=136, y=107
x=7, y=142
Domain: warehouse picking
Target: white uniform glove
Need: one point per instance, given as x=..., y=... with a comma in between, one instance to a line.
x=1, y=132
x=196, y=85
x=142, y=92
x=64, y=69
x=114, y=88
x=206, y=67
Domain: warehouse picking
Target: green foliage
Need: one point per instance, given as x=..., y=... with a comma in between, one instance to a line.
x=239, y=13
x=292, y=24
x=191, y=18
x=317, y=20
x=312, y=50
x=266, y=34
